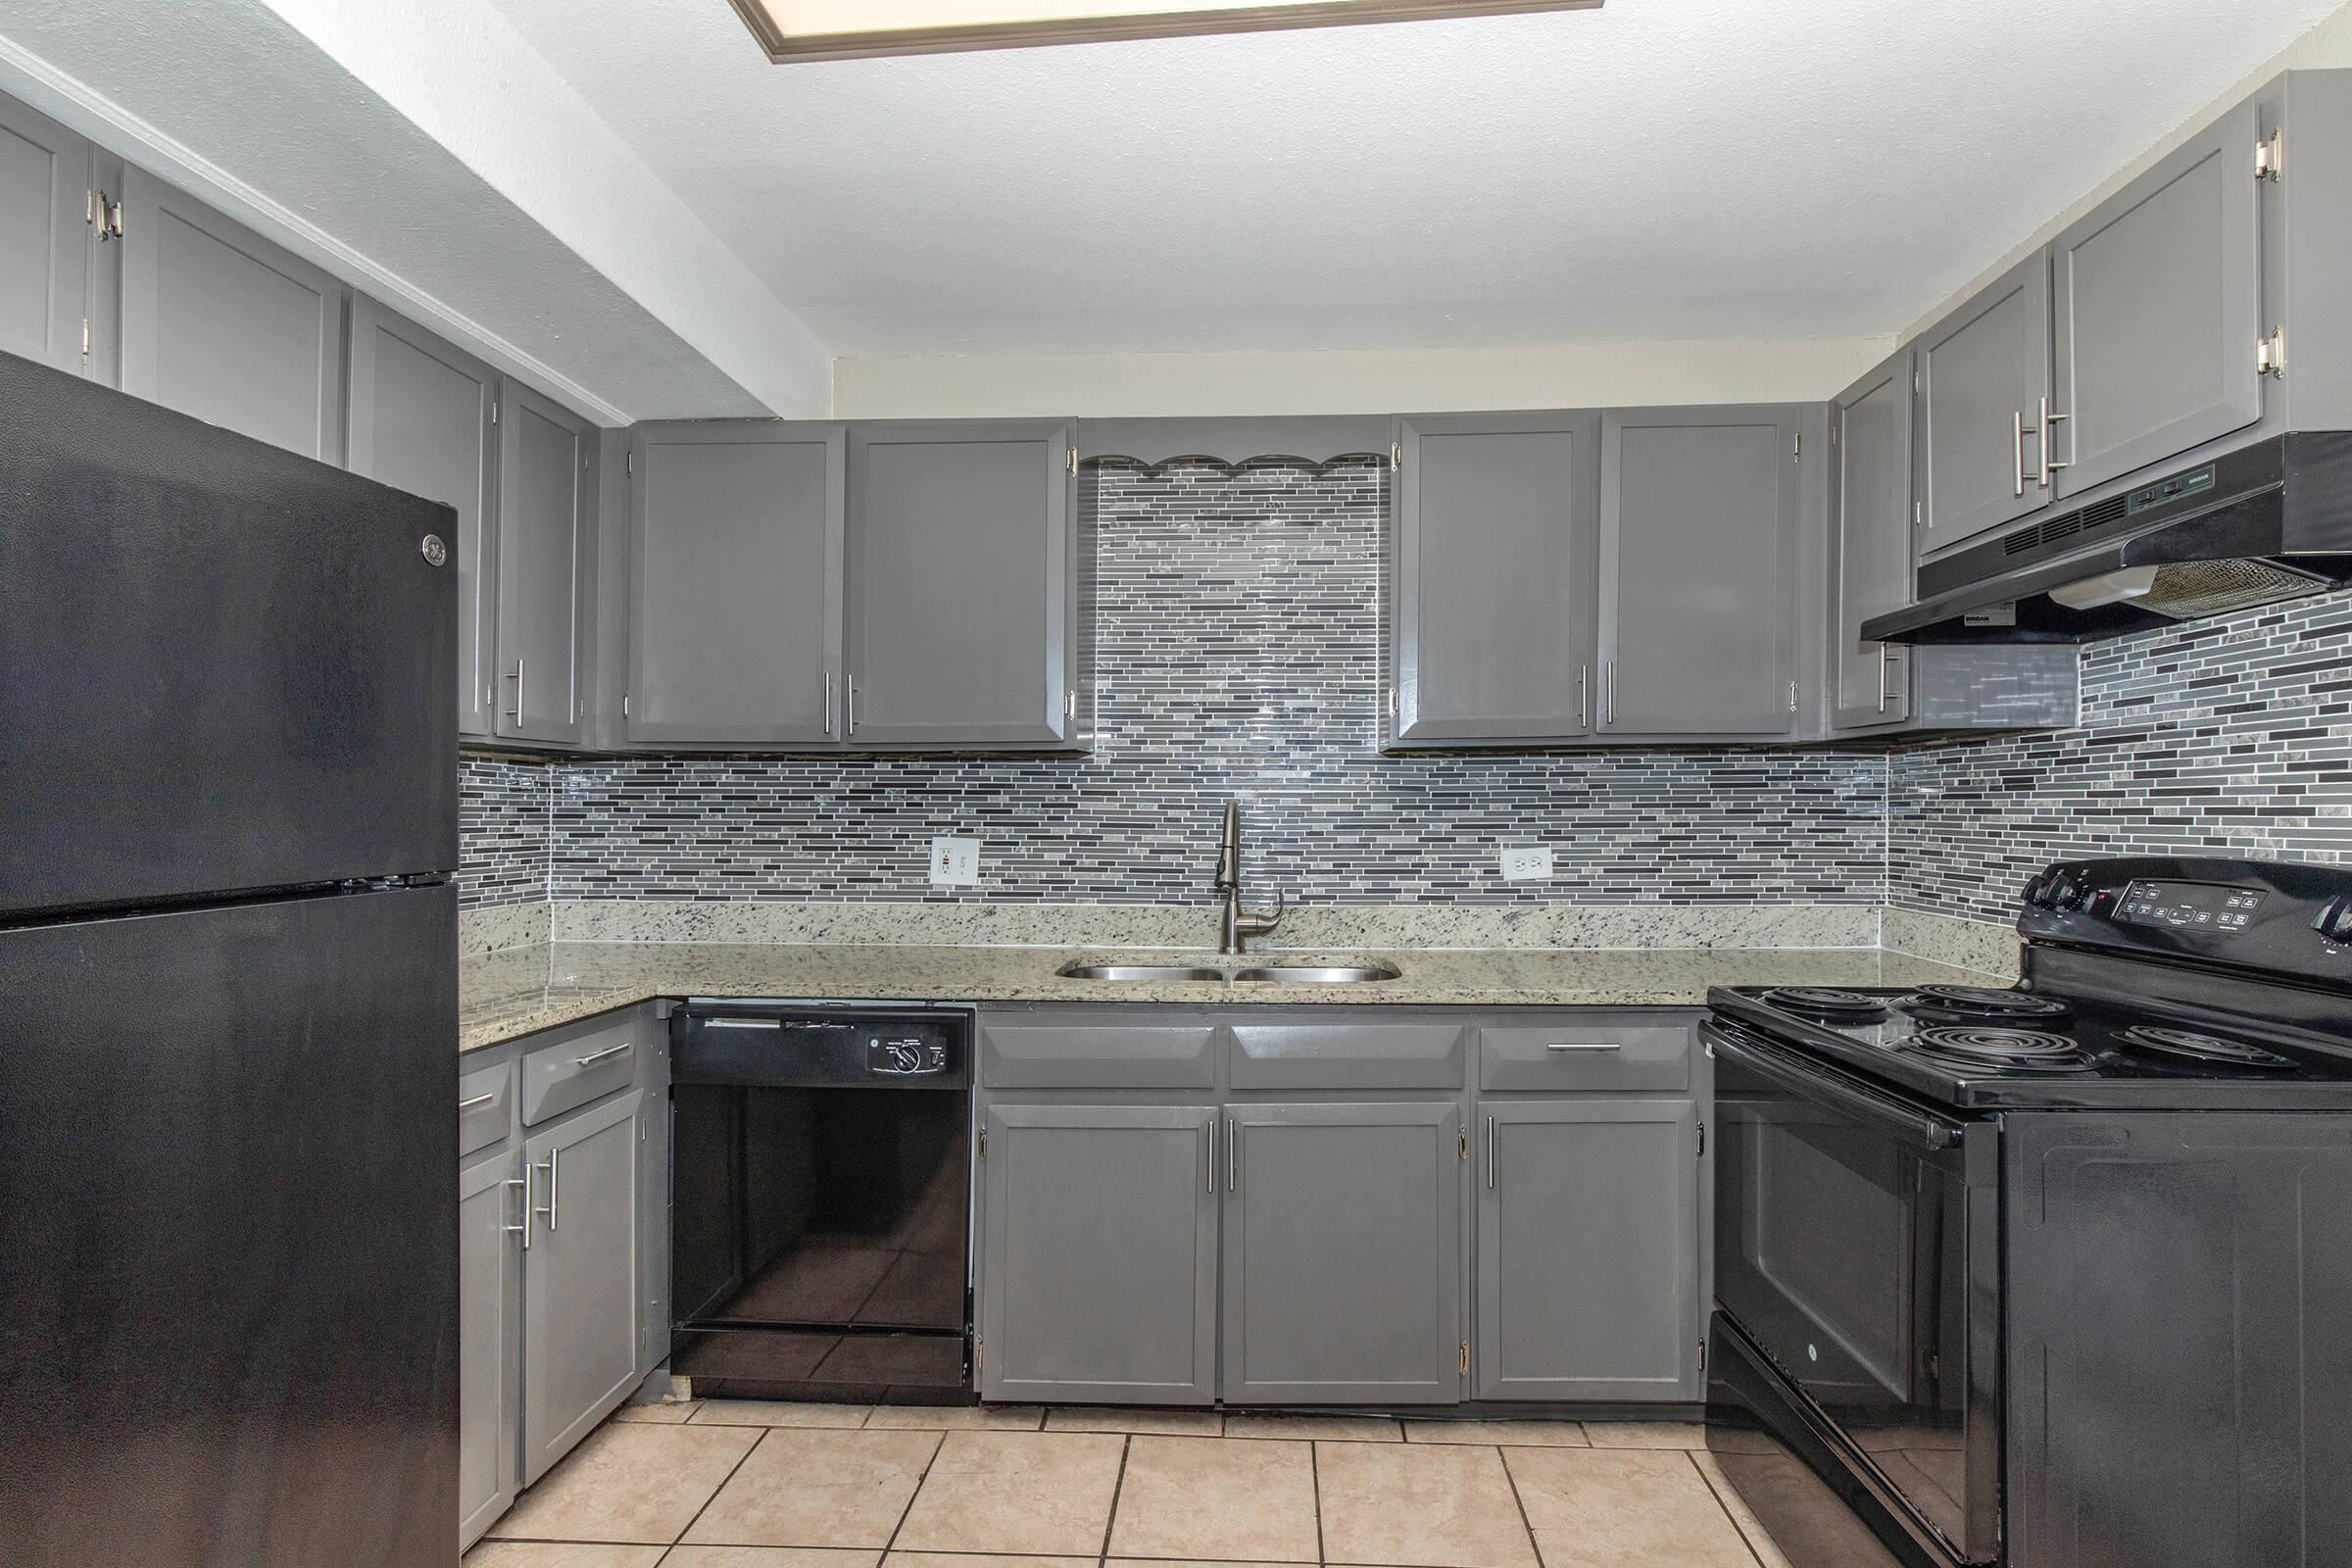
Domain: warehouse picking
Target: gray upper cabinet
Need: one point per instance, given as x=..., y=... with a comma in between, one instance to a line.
x=1983, y=382
x=1588, y=1250
x=1100, y=1254
x=1870, y=522
x=45, y=237
x=2157, y=302
x=736, y=536
x=489, y=1337
x=960, y=627
x=580, y=1277
x=421, y=420
x=1697, y=537
x=1495, y=551
x=1343, y=1254
x=546, y=495
x=221, y=324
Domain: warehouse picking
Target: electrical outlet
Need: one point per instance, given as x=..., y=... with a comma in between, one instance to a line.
x=1527, y=866
x=955, y=862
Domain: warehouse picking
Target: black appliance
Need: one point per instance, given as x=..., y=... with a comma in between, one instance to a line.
x=2052, y=1276
x=821, y=1190
x=229, y=994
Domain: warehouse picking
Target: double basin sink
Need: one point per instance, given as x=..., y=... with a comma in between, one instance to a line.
x=1322, y=974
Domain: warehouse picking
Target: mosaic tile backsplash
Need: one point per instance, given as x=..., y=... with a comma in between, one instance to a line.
x=1239, y=656
x=503, y=812
x=2229, y=737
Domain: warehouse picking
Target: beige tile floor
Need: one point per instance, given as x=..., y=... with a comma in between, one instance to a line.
x=734, y=1483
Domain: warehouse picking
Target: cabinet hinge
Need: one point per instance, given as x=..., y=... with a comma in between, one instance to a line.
x=1073, y=460
x=631, y=461
x=2270, y=155
x=1702, y=1138
x=1461, y=1142
x=1396, y=455
x=1793, y=697
x=1391, y=702
x=1702, y=1355
x=1070, y=705
x=1796, y=445
x=85, y=342
x=493, y=413
x=624, y=705
x=102, y=214
x=2270, y=354
x=1919, y=514
x=983, y=1142
x=1917, y=386
x=1464, y=1363
x=979, y=1351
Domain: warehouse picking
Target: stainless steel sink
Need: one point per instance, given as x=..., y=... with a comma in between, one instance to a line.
x=1137, y=971
x=1319, y=974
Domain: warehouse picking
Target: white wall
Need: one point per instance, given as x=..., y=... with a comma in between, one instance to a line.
x=1349, y=381
x=2328, y=45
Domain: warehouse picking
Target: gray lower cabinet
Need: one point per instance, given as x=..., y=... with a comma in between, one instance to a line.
x=960, y=621
x=1343, y=1272
x=546, y=499
x=736, y=537
x=1494, y=545
x=1984, y=380
x=46, y=235
x=581, y=1276
x=1100, y=1255
x=221, y=324
x=422, y=419
x=489, y=1339
x=1587, y=1281
x=1699, y=513
x=1869, y=545
x=2156, y=303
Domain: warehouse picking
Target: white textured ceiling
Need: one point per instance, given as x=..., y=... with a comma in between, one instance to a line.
x=1657, y=170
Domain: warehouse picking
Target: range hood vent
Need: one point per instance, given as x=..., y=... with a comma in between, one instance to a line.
x=2266, y=522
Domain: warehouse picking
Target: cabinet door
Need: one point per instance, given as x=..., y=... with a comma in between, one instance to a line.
x=1343, y=1255
x=1697, y=533
x=1494, y=556
x=420, y=421
x=544, y=497
x=1984, y=372
x=1100, y=1255
x=735, y=583
x=45, y=237
x=960, y=553
x=221, y=324
x=1588, y=1251
x=1870, y=543
x=579, y=1278
x=2157, y=300
x=489, y=1300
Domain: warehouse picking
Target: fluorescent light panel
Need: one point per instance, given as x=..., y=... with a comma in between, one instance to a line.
x=849, y=29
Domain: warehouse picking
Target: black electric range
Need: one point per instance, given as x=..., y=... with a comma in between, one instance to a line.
x=2015, y=1275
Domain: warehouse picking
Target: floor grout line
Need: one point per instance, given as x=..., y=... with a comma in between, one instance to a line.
x=1111, y=1521
x=936, y=1448
x=1315, y=1477
x=1517, y=1501
x=1732, y=1518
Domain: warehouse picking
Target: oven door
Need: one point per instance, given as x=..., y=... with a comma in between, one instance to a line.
x=1857, y=1243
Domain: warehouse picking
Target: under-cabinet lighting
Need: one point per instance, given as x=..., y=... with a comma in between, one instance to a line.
x=850, y=29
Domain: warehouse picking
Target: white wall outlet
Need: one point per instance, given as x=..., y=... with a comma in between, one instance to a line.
x=955, y=862
x=1527, y=866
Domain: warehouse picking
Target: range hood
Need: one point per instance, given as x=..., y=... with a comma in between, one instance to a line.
x=2267, y=521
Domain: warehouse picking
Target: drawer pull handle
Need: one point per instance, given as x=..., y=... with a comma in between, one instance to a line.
x=477, y=1102
x=595, y=1056
x=1585, y=1044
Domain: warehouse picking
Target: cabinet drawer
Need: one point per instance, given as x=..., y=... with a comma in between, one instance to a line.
x=1574, y=1054
x=485, y=1107
x=569, y=1073
x=1349, y=1055
x=1086, y=1056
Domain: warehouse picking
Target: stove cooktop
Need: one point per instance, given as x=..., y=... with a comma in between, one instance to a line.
x=1971, y=1048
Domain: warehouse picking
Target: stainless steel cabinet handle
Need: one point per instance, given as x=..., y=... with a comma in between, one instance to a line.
x=1211, y=1129
x=1885, y=651
x=595, y=1056
x=2047, y=466
x=1584, y=707
x=476, y=1102
x=516, y=677
x=2017, y=454
x=1490, y=1154
x=851, y=704
x=1233, y=1155
x=522, y=1230
x=828, y=701
x=1608, y=689
x=550, y=1209
x=1585, y=1044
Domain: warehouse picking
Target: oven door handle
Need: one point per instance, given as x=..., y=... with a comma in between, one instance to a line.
x=1824, y=1088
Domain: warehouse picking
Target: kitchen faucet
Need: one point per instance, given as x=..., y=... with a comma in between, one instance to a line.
x=1236, y=925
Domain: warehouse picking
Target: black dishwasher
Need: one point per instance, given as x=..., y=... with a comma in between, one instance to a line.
x=820, y=1191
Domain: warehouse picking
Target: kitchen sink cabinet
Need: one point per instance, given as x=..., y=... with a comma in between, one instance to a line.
x=1101, y=1250
x=1698, y=518
x=1563, y=1184
x=1494, y=544
x=219, y=324
x=47, y=238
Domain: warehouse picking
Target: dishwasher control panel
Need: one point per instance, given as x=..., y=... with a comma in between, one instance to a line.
x=785, y=1046
x=904, y=1054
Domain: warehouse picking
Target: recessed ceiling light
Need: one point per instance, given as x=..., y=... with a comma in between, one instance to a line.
x=850, y=29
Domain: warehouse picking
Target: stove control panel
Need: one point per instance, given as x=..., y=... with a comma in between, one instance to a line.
x=2285, y=918
x=2190, y=904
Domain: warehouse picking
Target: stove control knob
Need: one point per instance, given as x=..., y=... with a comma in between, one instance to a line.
x=2067, y=891
x=2334, y=923
x=2037, y=892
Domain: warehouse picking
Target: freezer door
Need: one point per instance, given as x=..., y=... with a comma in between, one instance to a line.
x=228, y=1281
x=228, y=667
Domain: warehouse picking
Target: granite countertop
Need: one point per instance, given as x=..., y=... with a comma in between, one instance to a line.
x=518, y=991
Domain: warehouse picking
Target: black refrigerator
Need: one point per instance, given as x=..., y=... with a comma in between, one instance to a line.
x=227, y=999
